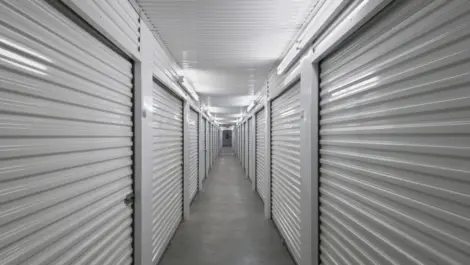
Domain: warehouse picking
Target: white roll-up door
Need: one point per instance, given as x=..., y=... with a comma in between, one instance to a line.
x=285, y=166
x=260, y=150
x=250, y=147
x=211, y=151
x=193, y=153
x=206, y=147
x=242, y=144
x=214, y=143
x=167, y=195
x=238, y=141
x=247, y=154
x=395, y=115
x=66, y=141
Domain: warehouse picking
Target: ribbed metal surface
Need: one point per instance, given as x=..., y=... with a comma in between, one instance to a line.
x=260, y=151
x=167, y=194
x=210, y=150
x=246, y=144
x=193, y=152
x=250, y=145
x=65, y=142
x=214, y=143
x=285, y=166
x=206, y=146
x=242, y=144
x=238, y=141
x=395, y=168
x=117, y=16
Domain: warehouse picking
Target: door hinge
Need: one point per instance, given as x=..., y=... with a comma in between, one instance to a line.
x=129, y=200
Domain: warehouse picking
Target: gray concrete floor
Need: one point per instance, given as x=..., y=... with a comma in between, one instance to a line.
x=227, y=225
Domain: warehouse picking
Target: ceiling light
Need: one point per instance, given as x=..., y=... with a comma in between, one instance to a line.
x=316, y=26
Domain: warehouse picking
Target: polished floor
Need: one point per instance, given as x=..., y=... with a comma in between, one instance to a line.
x=227, y=225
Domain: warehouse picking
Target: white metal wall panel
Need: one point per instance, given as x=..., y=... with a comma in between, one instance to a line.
x=394, y=168
x=250, y=145
x=66, y=141
x=285, y=166
x=167, y=158
x=116, y=18
x=193, y=153
x=260, y=150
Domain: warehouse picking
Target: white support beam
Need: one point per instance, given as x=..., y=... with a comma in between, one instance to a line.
x=309, y=104
x=253, y=152
x=186, y=170
x=267, y=159
x=202, y=154
x=143, y=150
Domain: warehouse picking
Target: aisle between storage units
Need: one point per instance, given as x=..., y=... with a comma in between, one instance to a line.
x=227, y=225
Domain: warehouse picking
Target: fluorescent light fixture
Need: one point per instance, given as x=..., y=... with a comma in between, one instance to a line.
x=292, y=75
x=355, y=19
x=252, y=105
x=190, y=89
x=317, y=25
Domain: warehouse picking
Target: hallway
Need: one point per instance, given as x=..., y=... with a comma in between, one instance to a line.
x=227, y=225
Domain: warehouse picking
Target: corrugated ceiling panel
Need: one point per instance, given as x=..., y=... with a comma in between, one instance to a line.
x=222, y=39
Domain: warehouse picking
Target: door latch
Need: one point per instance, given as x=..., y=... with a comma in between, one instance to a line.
x=129, y=200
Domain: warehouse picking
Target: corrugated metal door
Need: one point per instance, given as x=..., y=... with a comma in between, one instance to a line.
x=167, y=167
x=285, y=166
x=210, y=145
x=260, y=150
x=214, y=147
x=246, y=143
x=193, y=153
x=395, y=115
x=66, y=141
x=242, y=144
x=250, y=146
x=206, y=146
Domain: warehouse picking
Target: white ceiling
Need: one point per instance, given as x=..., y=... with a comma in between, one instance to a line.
x=227, y=47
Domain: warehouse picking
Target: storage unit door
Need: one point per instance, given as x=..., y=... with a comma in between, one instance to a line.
x=247, y=154
x=242, y=146
x=167, y=195
x=206, y=148
x=214, y=144
x=260, y=150
x=250, y=146
x=395, y=139
x=66, y=141
x=210, y=145
x=193, y=152
x=285, y=166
